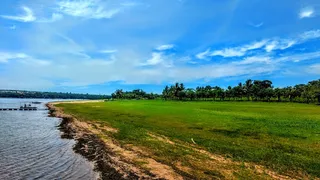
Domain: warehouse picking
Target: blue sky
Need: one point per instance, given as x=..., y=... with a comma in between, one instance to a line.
x=97, y=46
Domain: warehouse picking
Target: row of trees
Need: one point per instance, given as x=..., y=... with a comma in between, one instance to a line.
x=48, y=95
x=135, y=94
x=251, y=90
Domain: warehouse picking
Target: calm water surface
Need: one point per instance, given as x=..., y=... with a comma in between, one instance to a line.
x=31, y=147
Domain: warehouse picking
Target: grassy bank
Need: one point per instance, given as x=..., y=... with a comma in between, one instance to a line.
x=284, y=137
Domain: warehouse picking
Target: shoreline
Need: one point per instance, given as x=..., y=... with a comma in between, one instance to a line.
x=87, y=144
x=106, y=159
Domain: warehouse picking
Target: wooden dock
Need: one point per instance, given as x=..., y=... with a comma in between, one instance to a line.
x=19, y=109
x=21, y=106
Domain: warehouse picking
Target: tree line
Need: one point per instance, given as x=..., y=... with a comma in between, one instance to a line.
x=134, y=94
x=48, y=95
x=250, y=90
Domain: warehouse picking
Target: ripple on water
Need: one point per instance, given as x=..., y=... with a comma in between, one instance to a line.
x=31, y=148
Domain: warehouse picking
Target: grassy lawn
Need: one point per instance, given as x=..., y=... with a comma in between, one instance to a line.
x=284, y=137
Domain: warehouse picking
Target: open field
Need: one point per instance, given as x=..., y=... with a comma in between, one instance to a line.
x=215, y=139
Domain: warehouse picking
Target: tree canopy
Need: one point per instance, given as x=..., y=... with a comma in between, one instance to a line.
x=48, y=95
x=250, y=90
x=135, y=94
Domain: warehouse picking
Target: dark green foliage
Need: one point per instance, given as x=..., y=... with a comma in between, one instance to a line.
x=256, y=90
x=135, y=94
x=48, y=95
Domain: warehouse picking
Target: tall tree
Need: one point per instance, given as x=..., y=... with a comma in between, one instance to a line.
x=248, y=88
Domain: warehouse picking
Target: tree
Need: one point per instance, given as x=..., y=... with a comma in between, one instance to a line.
x=229, y=93
x=278, y=93
x=256, y=90
x=248, y=88
x=307, y=92
x=119, y=93
x=166, y=93
x=181, y=95
x=191, y=94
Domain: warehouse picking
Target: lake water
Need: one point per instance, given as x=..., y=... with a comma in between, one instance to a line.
x=31, y=147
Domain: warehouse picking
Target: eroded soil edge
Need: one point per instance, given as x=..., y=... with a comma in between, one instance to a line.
x=105, y=155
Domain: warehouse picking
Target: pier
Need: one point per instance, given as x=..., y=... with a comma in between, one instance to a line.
x=19, y=109
x=22, y=106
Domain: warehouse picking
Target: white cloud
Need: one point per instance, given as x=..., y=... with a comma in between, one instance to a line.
x=256, y=25
x=279, y=44
x=6, y=56
x=313, y=34
x=91, y=9
x=228, y=52
x=299, y=57
x=165, y=47
x=271, y=46
x=238, y=51
x=109, y=51
x=203, y=55
x=306, y=12
x=124, y=68
x=268, y=45
x=254, y=59
x=156, y=59
x=27, y=17
x=35, y=62
x=54, y=17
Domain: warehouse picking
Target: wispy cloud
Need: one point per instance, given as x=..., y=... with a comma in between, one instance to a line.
x=154, y=60
x=268, y=45
x=186, y=59
x=91, y=9
x=256, y=25
x=73, y=47
x=7, y=56
x=254, y=59
x=203, y=55
x=306, y=12
x=165, y=47
x=314, y=69
x=35, y=62
x=54, y=17
x=108, y=51
x=26, y=17
x=299, y=57
x=313, y=34
x=234, y=51
x=279, y=44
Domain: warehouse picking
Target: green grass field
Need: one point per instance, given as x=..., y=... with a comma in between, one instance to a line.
x=284, y=137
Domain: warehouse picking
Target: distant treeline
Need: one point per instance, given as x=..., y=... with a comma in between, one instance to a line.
x=48, y=95
x=135, y=94
x=251, y=90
